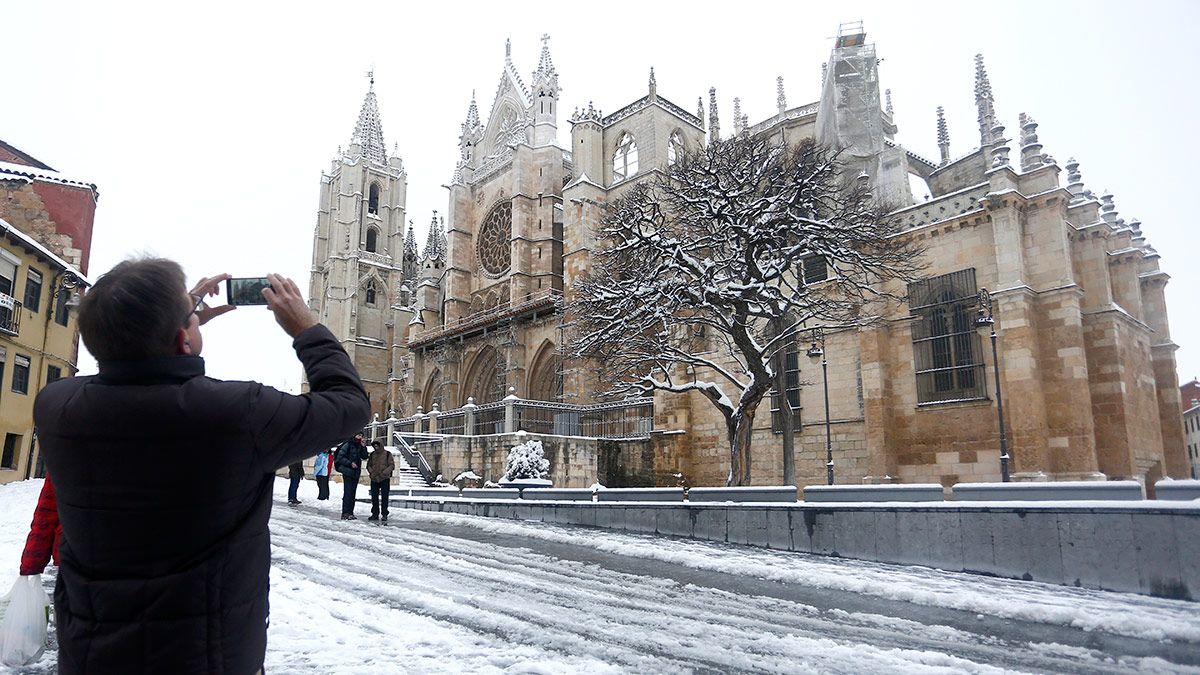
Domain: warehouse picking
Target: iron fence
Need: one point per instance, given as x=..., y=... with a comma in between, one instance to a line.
x=452, y=422
x=489, y=418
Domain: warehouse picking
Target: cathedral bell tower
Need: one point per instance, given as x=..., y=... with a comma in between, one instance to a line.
x=358, y=271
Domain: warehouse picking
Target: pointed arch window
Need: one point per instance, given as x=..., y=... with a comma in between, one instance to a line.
x=674, y=148
x=373, y=199
x=372, y=240
x=625, y=159
x=371, y=292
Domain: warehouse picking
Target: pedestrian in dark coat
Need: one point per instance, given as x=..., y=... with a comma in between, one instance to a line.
x=350, y=456
x=295, y=475
x=45, y=533
x=321, y=472
x=380, y=466
x=165, y=569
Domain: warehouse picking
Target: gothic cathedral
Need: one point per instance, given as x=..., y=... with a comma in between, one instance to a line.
x=476, y=315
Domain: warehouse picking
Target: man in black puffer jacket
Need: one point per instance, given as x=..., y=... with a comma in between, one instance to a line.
x=165, y=568
x=348, y=461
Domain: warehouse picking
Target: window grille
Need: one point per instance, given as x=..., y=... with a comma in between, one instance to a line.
x=947, y=355
x=791, y=379
x=816, y=269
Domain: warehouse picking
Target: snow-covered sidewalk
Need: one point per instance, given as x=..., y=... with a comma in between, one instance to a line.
x=445, y=593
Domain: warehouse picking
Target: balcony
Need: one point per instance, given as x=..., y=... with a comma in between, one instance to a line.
x=10, y=315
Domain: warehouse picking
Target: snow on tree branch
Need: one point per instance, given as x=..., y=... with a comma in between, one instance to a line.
x=700, y=283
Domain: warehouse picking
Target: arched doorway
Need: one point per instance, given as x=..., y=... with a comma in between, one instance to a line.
x=483, y=380
x=433, y=391
x=544, y=383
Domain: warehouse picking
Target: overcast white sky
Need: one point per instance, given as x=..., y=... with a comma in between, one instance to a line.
x=206, y=126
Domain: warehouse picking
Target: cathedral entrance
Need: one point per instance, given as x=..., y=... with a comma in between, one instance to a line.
x=484, y=379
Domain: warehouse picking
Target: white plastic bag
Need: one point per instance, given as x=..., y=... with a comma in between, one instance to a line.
x=23, y=629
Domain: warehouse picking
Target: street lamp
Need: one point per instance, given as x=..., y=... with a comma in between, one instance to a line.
x=984, y=318
x=817, y=351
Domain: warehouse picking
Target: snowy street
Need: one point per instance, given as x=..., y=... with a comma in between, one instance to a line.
x=445, y=593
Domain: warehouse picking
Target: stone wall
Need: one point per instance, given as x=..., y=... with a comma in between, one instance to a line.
x=1147, y=549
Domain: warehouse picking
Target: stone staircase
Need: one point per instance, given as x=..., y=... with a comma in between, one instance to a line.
x=407, y=476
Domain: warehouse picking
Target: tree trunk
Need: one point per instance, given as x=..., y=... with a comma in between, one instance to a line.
x=739, y=428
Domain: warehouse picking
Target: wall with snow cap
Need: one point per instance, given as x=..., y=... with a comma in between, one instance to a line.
x=1148, y=547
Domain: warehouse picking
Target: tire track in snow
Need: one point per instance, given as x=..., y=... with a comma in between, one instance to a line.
x=578, y=588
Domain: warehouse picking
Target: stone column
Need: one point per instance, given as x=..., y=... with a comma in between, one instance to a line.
x=469, y=417
x=510, y=413
x=433, y=418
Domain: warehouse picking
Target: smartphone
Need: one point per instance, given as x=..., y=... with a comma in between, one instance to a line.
x=246, y=291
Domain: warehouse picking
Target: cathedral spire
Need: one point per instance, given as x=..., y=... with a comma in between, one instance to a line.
x=368, y=131
x=700, y=110
x=434, y=255
x=410, y=259
x=544, y=106
x=472, y=128
x=653, y=85
x=984, y=103
x=410, y=243
x=887, y=96
x=738, y=126
x=545, y=64
x=780, y=99
x=714, y=124
x=943, y=136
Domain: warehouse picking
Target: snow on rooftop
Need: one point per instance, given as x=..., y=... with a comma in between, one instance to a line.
x=35, y=173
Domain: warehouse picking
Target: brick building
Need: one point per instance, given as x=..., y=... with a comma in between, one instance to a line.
x=1086, y=360
x=45, y=238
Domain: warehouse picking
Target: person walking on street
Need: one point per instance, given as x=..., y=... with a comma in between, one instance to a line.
x=45, y=533
x=321, y=473
x=295, y=475
x=165, y=569
x=380, y=466
x=350, y=456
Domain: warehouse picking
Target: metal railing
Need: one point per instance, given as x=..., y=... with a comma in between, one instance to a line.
x=489, y=419
x=452, y=422
x=10, y=314
x=547, y=298
x=405, y=444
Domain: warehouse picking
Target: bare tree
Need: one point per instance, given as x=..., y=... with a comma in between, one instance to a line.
x=715, y=248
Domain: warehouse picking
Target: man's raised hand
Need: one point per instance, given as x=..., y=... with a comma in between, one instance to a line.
x=210, y=286
x=285, y=301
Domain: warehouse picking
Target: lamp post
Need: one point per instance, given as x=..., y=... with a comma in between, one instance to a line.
x=983, y=319
x=817, y=351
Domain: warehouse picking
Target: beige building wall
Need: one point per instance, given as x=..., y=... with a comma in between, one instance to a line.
x=33, y=342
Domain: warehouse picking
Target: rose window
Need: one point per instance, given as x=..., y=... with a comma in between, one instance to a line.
x=493, y=246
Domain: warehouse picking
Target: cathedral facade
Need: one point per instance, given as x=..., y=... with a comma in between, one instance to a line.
x=1085, y=358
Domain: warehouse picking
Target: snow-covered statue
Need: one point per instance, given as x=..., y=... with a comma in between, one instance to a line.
x=525, y=461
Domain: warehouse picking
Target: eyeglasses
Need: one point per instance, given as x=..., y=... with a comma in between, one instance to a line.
x=187, y=318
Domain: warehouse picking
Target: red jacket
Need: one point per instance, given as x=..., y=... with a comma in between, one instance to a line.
x=44, y=533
